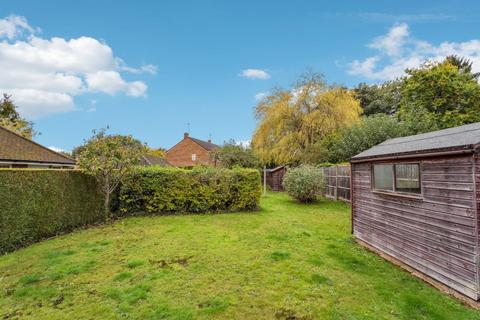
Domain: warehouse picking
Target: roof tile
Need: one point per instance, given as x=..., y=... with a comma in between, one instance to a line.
x=461, y=137
x=14, y=147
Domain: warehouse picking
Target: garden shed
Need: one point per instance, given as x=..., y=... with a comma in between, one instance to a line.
x=415, y=202
x=274, y=178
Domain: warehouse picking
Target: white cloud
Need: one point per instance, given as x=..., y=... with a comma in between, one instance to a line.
x=259, y=96
x=244, y=143
x=254, y=74
x=14, y=26
x=398, y=50
x=44, y=75
x=36, y=103
x=392, y=43
x=146, y=68
x=111, y=82
x=56, y=149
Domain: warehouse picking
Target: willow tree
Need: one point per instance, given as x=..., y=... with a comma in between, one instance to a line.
x=292, y=121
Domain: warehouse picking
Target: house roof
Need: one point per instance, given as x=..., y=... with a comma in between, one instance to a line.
x=205, y=144
x=16, y=148
x=459, y=138
x=152, y=160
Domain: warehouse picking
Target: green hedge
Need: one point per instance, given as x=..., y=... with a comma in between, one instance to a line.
x=35, y=204
x=168, y=190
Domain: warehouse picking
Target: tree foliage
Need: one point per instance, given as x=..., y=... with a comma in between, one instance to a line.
x=464, y=65
x=232, y=155
x=361, y=136
x=290, y=121
x=445, y=93
x=109, y=158
x=11, y=119
x=379, y=98
x=159, y=152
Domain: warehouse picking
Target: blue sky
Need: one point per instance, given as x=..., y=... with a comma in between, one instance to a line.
x=147, y=68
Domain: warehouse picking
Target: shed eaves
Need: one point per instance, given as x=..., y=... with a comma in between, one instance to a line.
x=462, y=137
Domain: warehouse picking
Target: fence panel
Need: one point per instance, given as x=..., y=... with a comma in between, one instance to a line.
x=337, y=182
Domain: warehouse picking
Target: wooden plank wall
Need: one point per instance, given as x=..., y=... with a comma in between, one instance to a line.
x=436, y=235
x=337, y=182
x=275, y=179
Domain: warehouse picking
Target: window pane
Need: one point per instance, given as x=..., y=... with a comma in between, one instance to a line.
x=383, y=176
x=407, y=178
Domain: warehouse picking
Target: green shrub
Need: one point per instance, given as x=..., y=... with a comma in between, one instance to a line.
x=304, y=183
x=41, y=203
x=168, y=190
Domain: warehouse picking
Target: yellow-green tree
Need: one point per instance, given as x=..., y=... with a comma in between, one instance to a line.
x=292, y=121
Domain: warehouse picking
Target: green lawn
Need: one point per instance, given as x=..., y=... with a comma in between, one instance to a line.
x=287, y=261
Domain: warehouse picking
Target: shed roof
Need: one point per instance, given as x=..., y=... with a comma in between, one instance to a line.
x=14, y=147
x=459, y=138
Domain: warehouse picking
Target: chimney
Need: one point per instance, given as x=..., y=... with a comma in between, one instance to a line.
x=185, y=135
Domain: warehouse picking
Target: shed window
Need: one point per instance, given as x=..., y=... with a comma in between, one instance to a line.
x=400, y=177
x=383, y=177
x=407, y=178
x=194, y=157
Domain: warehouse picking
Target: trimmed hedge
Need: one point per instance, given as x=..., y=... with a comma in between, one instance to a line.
x=36, y=204
x=170, y=190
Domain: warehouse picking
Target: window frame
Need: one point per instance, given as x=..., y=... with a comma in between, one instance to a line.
x=418, y=195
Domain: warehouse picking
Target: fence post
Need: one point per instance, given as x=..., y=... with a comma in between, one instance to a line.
x=264, y=180
x=336, y=182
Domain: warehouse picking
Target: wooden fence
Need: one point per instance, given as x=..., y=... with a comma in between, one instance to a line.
x=337, y=182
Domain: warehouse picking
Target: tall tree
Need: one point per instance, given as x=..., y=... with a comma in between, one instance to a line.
x=11, y=119
x=463, y=65
x=290, y=121
x=109, y=158
x=444, y=93
x=361, y=136
x=379, y=98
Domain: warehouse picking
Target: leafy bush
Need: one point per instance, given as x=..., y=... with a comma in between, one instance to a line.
x=168, y=190
x=304, y=183
x=41, y=203
x=232, y=155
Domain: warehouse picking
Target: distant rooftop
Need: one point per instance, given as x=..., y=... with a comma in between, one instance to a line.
x=463, y=137
x=207, y=145
x=14, y=147
x=154, y=160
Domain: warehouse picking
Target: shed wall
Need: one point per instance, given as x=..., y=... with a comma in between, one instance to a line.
x=436, y=235
x=275, y=179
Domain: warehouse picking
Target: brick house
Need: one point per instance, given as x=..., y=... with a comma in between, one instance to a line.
x=17, y=151
x=191, y=152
